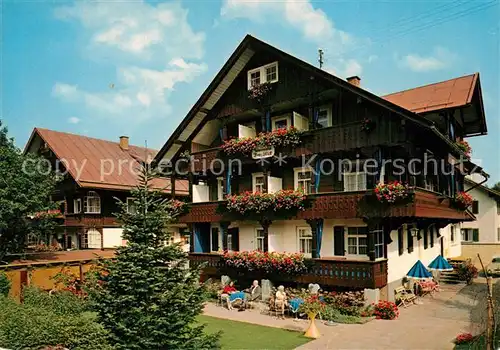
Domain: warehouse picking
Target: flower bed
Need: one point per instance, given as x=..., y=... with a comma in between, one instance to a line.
x=275, y=138
x=392, y=192
x=347, y=303
x=267, y=262
x=258, y=203
x=463, y=200
x=464, y=147
x=386, y=310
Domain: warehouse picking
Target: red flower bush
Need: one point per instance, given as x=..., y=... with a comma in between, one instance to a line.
x=386, y=310
x=177, y=207
x=276, y=138
x=463, y=338
x=392, y=192
x=463, y=200
x=465, y=147
x=312, y=305
x=269, y=262
x=257, y=203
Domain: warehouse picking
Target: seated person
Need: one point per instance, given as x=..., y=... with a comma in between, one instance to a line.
x=281, y=300
x=252, y=294
x=228, y=289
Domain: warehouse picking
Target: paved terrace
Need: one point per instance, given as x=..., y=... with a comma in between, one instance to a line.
x=431, y=325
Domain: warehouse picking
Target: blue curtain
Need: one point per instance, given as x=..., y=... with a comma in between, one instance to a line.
x=198, y=248
x=319, y=237
x=315, y=116
x=220, y=133
x=317, y=176
x=228, y=179
x=268, y=121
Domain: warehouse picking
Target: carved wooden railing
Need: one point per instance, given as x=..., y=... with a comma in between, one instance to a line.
x=326, y=272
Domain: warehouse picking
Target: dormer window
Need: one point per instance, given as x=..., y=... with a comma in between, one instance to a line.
x=263, y=74
x=92, y=203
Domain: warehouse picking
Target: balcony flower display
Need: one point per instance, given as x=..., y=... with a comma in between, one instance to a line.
x=392, y=192
x=465, y=147
x=463, y=200
x=177, y=207
x=258, y=203
x=276, y=138
x=367, y=125
x=259, y=92
x=266, y=262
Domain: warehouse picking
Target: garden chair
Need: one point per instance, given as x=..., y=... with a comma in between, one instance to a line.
x=404, y=297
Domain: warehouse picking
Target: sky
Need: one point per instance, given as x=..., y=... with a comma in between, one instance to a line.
x=111, y=68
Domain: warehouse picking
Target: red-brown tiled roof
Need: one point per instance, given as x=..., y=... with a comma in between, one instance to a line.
x=96, y=163
x=446, y=94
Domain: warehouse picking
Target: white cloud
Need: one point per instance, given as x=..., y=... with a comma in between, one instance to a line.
x=439, y=59
x=152, y=47
x=352, y=67
x=73, y=120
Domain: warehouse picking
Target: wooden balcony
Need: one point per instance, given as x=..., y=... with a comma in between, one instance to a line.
x=344, y=205
x=354, y=274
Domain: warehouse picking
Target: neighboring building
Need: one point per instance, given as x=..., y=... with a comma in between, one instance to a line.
x=352, y=245
x=486, y=208
x=95, y=173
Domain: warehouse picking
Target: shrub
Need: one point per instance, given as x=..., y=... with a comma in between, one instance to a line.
x=333, y=315
x=49, y=321
x=386, y=310
x=4, y=284
x=463, y=338
x=467, y=271
x=347, y=303
x=212, y=289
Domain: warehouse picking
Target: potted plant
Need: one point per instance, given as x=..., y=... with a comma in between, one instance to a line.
x=467, y=271
x=462, y=200
x=312, y=306
x=392, y=192
x=464, y=147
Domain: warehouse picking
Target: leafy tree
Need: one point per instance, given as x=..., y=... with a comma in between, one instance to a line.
x=496, y=187
x=150, y=298
x=26, y=184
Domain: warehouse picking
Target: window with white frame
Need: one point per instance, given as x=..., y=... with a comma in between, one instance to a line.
x=263, y=74
x=92, y=239
x=356, y=241
x=282, y=122
x=355, y=180
x=303, y=179
x=77, y=205
x=324, y=116
x=378, y=236
x=92, y=203
x=258, y=182
x=467, y=234
x=131, y=207
x=220, y=188
x=259, y=239
x=229, y=242
x=305, y=240
x=31, y=239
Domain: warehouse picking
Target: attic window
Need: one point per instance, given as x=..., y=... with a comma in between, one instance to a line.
x=264, y=74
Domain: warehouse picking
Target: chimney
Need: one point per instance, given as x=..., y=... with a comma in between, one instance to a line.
x=354, y=80
x=124, y=143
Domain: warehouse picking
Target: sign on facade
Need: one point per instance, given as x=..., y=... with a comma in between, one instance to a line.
x=261, y=153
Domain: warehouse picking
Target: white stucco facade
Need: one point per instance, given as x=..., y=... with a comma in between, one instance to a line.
x=112, y=237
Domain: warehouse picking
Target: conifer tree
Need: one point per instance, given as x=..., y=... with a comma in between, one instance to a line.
x=150, y=298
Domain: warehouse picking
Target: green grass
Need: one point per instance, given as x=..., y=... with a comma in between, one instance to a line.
x=241, y=335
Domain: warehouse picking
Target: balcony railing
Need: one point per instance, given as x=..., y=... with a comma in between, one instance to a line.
x=326, y=272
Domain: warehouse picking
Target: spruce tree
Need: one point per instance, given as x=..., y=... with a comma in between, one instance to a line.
x=150, y=298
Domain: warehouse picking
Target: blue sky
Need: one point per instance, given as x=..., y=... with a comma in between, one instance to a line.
x=110, y=68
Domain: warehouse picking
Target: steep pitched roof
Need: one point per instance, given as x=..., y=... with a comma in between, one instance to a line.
x=451, y=93
x=488, y=190
x=96, y=163
x=196, y=117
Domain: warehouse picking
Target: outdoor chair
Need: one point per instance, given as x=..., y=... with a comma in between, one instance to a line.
x=404, y=297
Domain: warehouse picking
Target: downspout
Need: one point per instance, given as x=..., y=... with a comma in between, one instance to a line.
x=480, y=183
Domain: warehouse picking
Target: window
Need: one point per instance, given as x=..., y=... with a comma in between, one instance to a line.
x=170, y=239
x=220, y=188
x=185, y=237
x=324, y=116
x=77, y=205
x=281, y=122
x=303, y=180
x=452, y=233
x=259, y=239
x=355, y=181
x=470, y=235
x=131, y=207
x=92, y=203
x=356, y=241
x=92, y=239
x=258, y=182
x=305, y=240
x=378, y=236
x=263, y=74
x=31, y=239
x=475, y=207
x=214, y=239
x=229, y=242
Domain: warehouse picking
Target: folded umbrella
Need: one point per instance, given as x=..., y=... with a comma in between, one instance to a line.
x=440, y=264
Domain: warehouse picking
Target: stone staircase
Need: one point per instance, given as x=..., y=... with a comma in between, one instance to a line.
x=451, y=277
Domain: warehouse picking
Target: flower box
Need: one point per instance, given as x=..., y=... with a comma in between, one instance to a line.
x=266, y=262
x=464, y=147
x=392, y=192
x=462, y=201
x=256, y=203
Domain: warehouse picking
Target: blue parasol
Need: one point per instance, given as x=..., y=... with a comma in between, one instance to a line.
x=440, y=264
x=418, y=271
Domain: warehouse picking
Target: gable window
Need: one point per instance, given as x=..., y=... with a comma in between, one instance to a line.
x=305, y=240
x=264, y=74
x=282, y=122
x=356, y=241
x=303, y=180
x=77, y=205
x=259, y=239
x=324, y=117
x=92, y=203
x=131, y=207
x=258, y=182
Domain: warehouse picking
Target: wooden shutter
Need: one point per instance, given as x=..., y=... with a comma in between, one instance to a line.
x=410, y=240
x=215, y=239
x=338, y=180
x=475, y=207
x=426, y=238
x=431, y=236
x=475, y=235
x=339, y=240
x=401, y=241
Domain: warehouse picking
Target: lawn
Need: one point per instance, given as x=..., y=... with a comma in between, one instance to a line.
x=241, y=335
